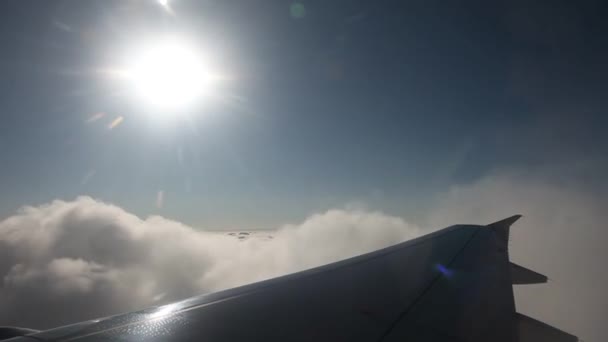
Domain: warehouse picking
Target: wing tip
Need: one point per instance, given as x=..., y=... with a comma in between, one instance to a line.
x=501, y=228
x=505, y=223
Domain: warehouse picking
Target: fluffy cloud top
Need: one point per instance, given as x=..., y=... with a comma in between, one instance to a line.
x=69, y=261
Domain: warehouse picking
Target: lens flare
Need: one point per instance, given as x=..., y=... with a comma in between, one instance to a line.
x=116, y=122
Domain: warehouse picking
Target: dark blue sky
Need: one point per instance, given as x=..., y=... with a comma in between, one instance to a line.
x=387, y=103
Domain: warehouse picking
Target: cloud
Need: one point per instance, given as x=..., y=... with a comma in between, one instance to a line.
x=64, y=262
x=85, y=258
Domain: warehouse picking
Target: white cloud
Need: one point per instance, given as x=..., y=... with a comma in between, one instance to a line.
x=69, y=261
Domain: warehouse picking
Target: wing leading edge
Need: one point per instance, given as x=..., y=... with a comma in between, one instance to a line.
x=451, y=285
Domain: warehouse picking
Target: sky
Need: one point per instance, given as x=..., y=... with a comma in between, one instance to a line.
x=392, y=118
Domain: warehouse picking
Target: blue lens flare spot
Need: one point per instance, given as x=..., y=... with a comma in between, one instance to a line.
x=444, y=270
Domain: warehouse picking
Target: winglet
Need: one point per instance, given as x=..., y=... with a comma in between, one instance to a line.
x=502, y=227
x=505, y=223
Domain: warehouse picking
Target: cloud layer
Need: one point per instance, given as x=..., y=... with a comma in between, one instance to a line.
x=68, y=261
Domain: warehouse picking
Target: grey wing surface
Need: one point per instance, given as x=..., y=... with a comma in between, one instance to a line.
x=451, y=285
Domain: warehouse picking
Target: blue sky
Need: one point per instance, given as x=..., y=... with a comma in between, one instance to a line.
x=386, y=104
x=409, y=115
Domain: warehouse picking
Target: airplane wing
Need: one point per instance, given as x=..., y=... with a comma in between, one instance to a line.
x=455, y=284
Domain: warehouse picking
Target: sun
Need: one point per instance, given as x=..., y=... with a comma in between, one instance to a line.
x=168, y=74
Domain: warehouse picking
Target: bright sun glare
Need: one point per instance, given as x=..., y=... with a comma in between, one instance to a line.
x=168, y=74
